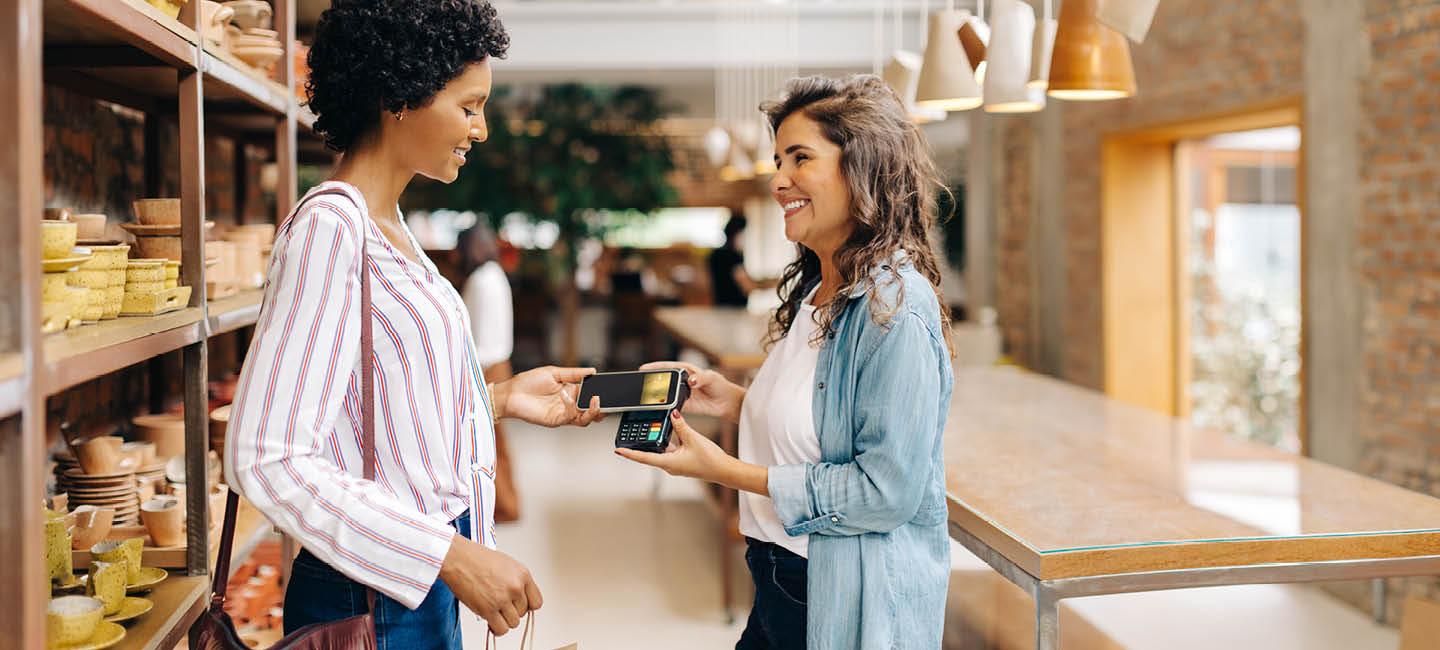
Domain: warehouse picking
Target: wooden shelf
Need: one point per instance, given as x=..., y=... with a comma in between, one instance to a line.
x=179, y=600
x=229, y=79
x=82, y=354
x=239, y=310
x=114, y=32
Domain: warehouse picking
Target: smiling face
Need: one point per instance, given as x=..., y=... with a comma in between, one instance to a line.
x=435, y=138
x=810, y=187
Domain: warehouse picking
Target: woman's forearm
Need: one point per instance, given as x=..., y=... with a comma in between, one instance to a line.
x=746, y=477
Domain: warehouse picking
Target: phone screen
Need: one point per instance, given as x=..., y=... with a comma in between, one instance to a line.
x=629, y=389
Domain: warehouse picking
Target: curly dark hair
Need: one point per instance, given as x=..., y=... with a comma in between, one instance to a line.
x=893, y=181
x=381, y=55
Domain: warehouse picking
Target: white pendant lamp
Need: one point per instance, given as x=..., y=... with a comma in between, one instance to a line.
x=975, y=38
x=717, y=145
x=903, y=74
x=1129, y=17
x=1042, y=49
x=1007, y=88
x=947, y=81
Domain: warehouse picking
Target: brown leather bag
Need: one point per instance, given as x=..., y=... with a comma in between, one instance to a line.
x=214, y=630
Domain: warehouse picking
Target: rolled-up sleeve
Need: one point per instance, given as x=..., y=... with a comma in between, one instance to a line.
x=305, y=348
x=897, y=418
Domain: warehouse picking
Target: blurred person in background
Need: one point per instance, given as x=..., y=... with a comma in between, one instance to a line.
x=841, y=466
x=486, y=292
x=729, y=281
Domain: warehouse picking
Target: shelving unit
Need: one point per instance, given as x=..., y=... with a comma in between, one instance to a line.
x=129, y=53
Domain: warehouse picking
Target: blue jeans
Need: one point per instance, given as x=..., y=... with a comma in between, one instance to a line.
x=320, y=594
x=777, y=619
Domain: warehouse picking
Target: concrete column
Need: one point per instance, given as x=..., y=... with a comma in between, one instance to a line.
x=1048, y=238
x=1337, y=55
x=980, y=216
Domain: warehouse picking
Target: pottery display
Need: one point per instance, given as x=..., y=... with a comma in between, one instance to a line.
x=72, y=619
x=219, y=422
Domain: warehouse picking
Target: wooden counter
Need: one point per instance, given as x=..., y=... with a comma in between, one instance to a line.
x=732, y=339
x=1066, y=482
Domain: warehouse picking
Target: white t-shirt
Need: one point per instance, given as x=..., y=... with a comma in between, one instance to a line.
x=492, y=314
x=777, y=426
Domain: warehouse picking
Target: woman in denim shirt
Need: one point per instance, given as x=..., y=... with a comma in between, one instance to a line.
x=841, y=472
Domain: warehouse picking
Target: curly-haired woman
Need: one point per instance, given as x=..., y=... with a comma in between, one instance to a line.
x=841, y=474
x=398, y=88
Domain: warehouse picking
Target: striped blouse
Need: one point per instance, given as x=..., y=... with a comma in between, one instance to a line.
x=293, y=447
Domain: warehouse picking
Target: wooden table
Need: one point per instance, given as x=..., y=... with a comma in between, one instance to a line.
x=1068, y=493
x=732, y=339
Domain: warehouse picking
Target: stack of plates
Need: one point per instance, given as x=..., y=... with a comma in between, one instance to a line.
x=115, y=490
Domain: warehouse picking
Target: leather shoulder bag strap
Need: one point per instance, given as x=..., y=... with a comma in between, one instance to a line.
x=221, y=578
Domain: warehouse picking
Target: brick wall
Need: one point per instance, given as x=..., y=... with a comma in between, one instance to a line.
x=1398, y=255
x=1013, y=217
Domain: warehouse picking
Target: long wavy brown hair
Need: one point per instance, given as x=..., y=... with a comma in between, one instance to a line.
x=893, y=181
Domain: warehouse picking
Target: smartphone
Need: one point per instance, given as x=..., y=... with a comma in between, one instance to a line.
x=651, y=390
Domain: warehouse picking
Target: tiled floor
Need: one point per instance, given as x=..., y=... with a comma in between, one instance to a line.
x=622, y=570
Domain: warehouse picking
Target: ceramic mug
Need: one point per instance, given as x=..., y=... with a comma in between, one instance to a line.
x=57, y=547
x=100, y=455
x=72, y=619
x=91, y=525
x=107, y=584
x=165, y=520
x=125, y=552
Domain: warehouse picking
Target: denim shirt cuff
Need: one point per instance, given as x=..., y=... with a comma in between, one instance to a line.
x=787, y=485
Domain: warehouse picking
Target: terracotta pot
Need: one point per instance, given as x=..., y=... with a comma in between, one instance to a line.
x=157, y=212
x=166, y=430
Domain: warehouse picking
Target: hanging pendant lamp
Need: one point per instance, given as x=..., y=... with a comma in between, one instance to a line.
x=1129, y=17
x=1042, y=48
x=1090, y=61
x=947, y=82
x=1007, y=88
x=975, y=38
x=903, y=75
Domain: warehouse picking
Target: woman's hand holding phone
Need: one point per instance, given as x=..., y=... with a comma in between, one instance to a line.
x=546, y=396
x=710, y=393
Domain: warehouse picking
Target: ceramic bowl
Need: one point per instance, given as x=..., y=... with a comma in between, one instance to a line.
x=77, y=298
x=157, y=212
x=106, y=257
x=123, y=551
x=251, y=14
x=103, y=455
x=58, y=238
x=144, y=288
x=158, y=246
x=72, y=619
x=52, y=286
x=90, y=279
x=145, y=270
x=90, y=226
x=114, y=299
x=144, y=450
x=172, y=269
x=58, y=214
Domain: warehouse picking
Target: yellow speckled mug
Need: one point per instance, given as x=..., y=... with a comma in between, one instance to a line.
x=126, y=553
x=107, y=584
x=72, y=619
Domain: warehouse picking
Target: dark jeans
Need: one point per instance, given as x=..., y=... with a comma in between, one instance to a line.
x=320, y=594
x=777, y=619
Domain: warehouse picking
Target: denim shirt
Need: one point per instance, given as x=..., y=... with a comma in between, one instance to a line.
x=874, y=506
